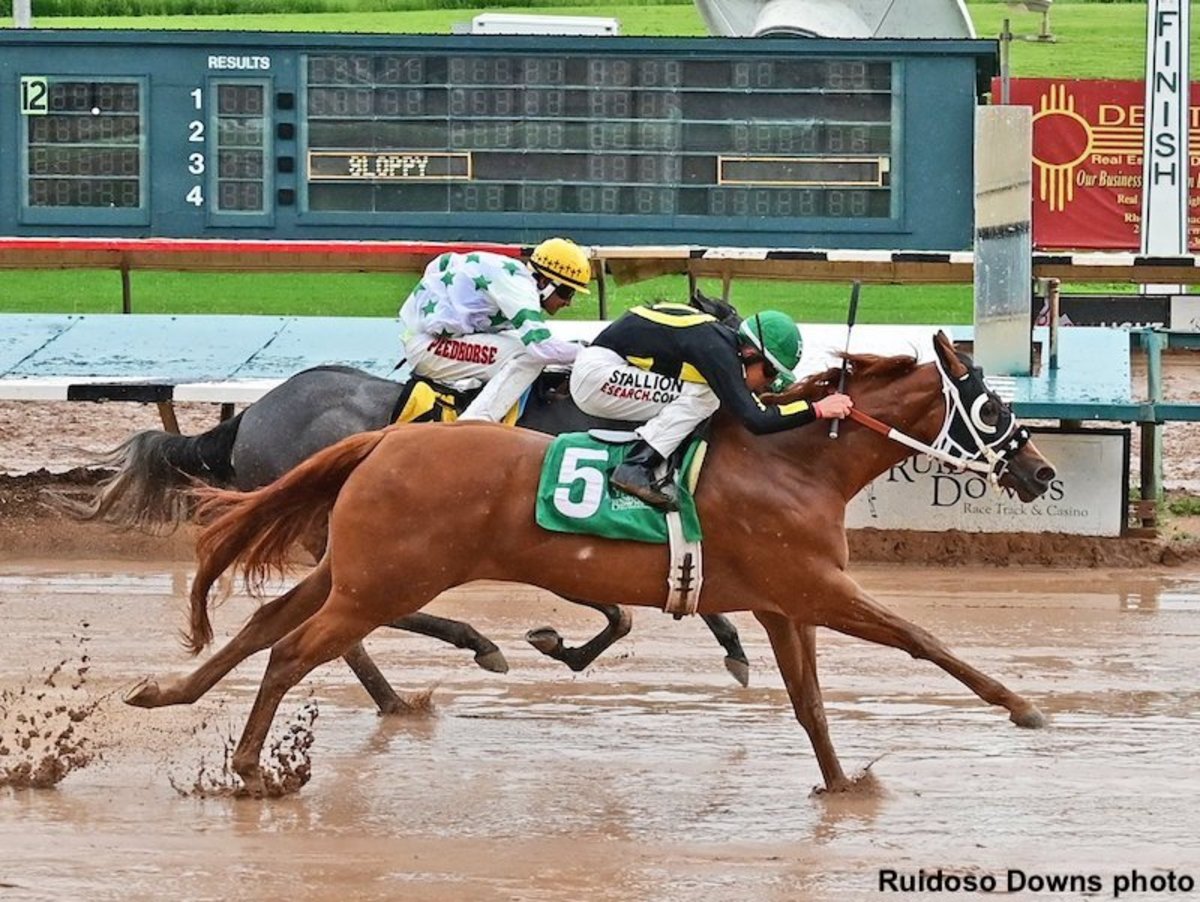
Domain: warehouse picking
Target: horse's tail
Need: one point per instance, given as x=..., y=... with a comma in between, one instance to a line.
x=255, y=530
x=154, y=470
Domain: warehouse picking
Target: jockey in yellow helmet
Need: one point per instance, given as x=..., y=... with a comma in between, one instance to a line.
x=479, y=319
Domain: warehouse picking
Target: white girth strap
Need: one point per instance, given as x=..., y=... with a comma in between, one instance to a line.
x=685, y=575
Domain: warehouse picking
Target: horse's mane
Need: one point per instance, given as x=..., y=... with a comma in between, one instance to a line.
x=859, y=366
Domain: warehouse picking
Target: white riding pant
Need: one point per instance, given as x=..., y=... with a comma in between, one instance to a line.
x=604, y=384
x=498, y=360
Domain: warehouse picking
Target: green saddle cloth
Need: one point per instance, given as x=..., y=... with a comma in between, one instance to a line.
x=574, y=494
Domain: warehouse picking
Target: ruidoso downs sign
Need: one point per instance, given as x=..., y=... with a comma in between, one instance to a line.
x=1089, y=495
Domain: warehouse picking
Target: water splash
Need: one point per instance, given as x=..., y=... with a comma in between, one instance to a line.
x=40, y=739
x=286, y=765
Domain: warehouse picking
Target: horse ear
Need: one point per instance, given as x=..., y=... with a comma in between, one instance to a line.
x=954, y=367
x=721, y=309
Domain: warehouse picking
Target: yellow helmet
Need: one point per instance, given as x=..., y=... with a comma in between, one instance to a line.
x=564, y=262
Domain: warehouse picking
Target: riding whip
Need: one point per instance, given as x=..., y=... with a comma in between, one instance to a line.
x=854, y=288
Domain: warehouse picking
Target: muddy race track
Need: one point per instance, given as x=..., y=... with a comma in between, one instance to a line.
x=650, y=776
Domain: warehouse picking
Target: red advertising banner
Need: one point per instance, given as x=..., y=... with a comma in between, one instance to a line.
x=1087, y=161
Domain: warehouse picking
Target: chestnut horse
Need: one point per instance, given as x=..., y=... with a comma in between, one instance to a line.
x=773, y=509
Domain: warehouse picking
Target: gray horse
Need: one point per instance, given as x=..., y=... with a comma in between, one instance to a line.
x=311, y=411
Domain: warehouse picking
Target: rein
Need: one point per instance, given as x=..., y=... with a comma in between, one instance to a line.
x=890, y=432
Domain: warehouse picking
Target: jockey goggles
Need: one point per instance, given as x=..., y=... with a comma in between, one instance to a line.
x=566, y=292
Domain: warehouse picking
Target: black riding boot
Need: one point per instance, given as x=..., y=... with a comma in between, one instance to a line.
x=636, y=477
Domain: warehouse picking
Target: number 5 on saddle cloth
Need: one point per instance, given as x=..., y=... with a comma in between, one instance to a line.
x=574, y=496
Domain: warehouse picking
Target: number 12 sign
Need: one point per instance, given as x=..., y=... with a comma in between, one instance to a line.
x=34, y=94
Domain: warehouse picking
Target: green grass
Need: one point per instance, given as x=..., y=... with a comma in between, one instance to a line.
x=635, y=20
x=1091, y=40
x=373, y=294
x=1184, y=506
x=1094, y=40
x=140, y=8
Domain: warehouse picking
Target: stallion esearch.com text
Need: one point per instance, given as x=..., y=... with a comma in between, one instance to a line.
x=1015, y=880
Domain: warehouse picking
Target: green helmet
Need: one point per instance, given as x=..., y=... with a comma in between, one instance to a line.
x=777, y=339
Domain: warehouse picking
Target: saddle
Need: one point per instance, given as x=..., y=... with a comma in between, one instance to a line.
x=425, y=401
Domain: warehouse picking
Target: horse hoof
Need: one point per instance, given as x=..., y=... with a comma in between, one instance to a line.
x=1031, y=718
x=253, y=784
x=393, y=705
x=545, y=639
x=739, y=670
x=838, y=786
x=863, y=785
x=144, y=695
x=409, y=705
x=254, y=789
x=493, y=661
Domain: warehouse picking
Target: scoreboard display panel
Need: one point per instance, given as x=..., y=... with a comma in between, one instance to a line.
x=765, y=142
x=612, y=135
x=83, y=143
x=240, y=139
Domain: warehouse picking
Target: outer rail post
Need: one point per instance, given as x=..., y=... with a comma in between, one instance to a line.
x=166, y=412
x=126, y=289
x=1053, y=303
x=1151, y=433
x=601, y=289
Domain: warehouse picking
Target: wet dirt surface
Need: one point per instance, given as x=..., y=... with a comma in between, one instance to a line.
x=651, y=776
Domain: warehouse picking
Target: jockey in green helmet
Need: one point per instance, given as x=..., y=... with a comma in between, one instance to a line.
x=670, y=366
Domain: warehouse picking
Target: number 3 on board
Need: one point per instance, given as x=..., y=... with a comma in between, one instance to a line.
x=34, y=95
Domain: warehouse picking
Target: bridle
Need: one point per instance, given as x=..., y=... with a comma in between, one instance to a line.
x=991, y=457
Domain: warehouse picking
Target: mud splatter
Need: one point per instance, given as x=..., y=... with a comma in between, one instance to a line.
x=286, y=765
x=41, y=740
x=862, y=784
x=418, y=703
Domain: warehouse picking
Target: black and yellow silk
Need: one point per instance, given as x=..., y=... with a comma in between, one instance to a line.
x=680, y=342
